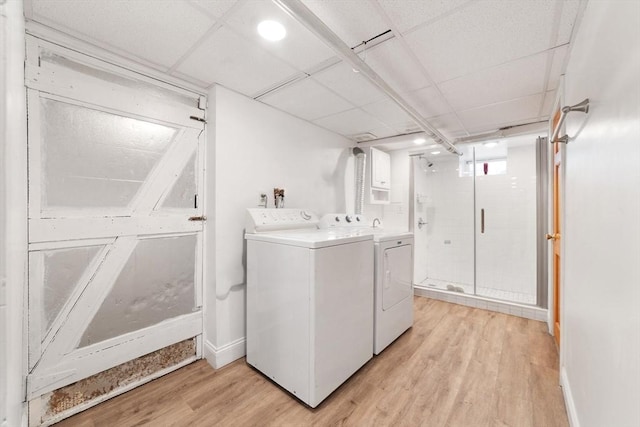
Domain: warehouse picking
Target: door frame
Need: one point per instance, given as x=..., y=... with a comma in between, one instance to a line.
x=555, y=305
x=193, y=321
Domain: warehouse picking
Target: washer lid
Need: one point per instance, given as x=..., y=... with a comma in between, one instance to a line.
x=312, y=239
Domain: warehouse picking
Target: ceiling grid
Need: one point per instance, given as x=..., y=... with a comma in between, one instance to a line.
x=468, y=67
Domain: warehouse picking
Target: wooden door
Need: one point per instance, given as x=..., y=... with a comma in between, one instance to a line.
x=555, y=235
x=115, y=167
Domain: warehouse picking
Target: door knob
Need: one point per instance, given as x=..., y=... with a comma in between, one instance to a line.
x=553, y=236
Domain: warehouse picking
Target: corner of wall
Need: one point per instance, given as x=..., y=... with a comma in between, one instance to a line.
x=572, y=414
x=219, y=357
x=209, y=235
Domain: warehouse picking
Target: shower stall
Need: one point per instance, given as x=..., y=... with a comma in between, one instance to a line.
x=476, y=219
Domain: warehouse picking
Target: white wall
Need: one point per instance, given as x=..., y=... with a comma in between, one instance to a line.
x=3, y=279
x=253, y=148
x=600, y=348
x=13, y=221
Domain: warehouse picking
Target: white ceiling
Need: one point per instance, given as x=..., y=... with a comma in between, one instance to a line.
x=468, y=67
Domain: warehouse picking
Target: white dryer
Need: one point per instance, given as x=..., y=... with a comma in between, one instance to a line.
x=393, y=287
x=393, y=296
x=309, y=301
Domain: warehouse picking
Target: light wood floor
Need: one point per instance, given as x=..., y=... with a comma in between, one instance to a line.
x=457, y=366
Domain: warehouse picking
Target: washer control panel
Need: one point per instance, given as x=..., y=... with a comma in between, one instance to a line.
x=343, y=220
x=260, y=219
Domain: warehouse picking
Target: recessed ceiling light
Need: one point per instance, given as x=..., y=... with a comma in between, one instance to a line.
x=419, y=141
x=435, y=152
x=272, y=30
x=490, y=144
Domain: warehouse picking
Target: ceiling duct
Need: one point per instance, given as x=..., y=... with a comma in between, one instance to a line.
x=304, y=16
x=362, y=137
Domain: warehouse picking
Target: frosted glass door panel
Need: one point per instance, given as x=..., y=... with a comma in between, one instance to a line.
x=94, y=159
x=63, y=269
x=446, y=205
x=156, y=284
x=506, y=222
x=182, y=195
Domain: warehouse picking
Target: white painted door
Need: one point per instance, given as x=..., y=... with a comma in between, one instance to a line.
x=115, y=170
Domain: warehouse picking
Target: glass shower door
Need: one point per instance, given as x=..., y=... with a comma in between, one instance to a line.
x=505, y=220
x=443, y=223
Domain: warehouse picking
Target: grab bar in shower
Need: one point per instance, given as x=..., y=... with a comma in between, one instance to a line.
x=582, y=107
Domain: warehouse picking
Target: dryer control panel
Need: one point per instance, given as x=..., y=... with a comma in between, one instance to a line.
x=259, y=219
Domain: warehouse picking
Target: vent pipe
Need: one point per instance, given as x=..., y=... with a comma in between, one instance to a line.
x=360, y=169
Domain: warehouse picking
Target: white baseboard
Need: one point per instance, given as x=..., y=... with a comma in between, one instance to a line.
x=568, y=398
x=223, y=355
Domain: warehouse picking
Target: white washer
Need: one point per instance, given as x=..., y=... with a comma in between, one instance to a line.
x=393, y=297
x=309, y=301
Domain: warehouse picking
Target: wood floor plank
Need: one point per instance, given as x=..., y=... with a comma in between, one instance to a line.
x=456, y=367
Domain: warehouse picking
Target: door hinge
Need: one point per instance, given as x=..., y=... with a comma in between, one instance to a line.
x=202, y=103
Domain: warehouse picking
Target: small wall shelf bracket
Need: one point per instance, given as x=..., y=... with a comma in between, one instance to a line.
x=582, y=107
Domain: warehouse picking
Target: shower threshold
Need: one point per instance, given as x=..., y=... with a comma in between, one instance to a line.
x=460, y=293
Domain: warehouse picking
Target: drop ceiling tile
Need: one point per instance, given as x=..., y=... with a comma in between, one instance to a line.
x=547, y=105
x=300, y=48
x=217, y=60
x=508, y=81
x=307, y=99
x=491, y=117
x=448, y=125
x=352, y=86
x=484, y=34
x=428, y=102
x=352, y=122
x=214, y=8
x=406, y=127
x=570, y=9
x=557, y=66
x=353, y=21
x=396, y=66
x=387, y=112
x=406, y=14
x=383, y=132
x=158, y=32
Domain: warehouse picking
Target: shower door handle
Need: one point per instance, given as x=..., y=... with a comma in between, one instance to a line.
x=481, y=221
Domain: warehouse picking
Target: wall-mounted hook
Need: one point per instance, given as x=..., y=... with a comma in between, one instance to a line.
x=582, y=107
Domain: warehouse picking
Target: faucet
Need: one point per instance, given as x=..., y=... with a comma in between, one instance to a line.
x=374, y=222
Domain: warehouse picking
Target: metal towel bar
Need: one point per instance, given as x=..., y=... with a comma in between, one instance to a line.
x=582, y=107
